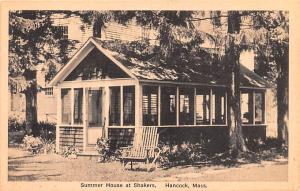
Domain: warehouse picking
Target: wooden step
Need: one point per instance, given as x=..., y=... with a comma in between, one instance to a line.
x=91, y=155
x=90, y=148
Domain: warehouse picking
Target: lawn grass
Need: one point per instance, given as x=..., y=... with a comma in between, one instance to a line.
x=23, y=166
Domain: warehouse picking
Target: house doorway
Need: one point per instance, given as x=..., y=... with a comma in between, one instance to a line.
x=95, y=123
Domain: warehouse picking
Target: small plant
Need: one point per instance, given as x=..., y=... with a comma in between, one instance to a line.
x=32, y=144
x=38, y=145
x=48, y=146
x=106, y=152
x=103, y=149
x=185, y=153
x=70, y=152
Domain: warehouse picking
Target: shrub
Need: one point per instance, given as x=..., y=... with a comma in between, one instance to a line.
x=260, y=145
x=15, y=124
x=255, y=144
x=105, y=150
x=185, y=153
x=70, y=152
x=47, y=130
x=32, y=144
x=37, y=145
x=48, y=146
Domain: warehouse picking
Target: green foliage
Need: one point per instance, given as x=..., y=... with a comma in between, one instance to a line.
x=272, y=43
x=261, y=146
x=17, y=133
x=38, y=145
x=47, y=130
x=70, y=152
x=185, y=153
x=15, y=124
x=106, y=152
x=34, y=40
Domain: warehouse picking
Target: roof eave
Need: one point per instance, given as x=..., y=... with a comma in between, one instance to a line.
x=79, y=56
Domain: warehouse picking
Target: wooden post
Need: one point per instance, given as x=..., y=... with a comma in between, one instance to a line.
x=195, y=104
x=177, y=106
x=210, y=106
x=72, y=106
x=225, y=108
x=58, y=120
x=85, y=120
x=106, y=110
x=264, y=112
x=253, y=107
x=138, y=109
x=121, y=106
x=159, y=105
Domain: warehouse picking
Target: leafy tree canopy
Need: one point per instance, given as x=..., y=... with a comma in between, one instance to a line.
x=34, y=40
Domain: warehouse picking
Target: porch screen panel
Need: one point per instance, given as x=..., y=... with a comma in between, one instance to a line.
x=78, y=100
x=114, y=106
x=218, y=107
x=202, y=106
x=129, y=105
x=186, y=106
x=66, y=106
x=168, y=105
x=149, y=105
x=259, y=108
x=246, y=107
x=95, y=108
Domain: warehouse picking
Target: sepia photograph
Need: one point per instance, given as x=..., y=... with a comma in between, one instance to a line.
x=147, y=99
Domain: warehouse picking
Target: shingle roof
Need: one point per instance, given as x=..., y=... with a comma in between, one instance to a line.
x=151, y=70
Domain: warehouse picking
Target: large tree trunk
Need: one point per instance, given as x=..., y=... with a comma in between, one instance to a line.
x=31, y=102
x=282, y=99
x=282, y=112
x=232, y=54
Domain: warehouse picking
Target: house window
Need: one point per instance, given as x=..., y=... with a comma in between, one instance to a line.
x=14, y=88
x=168, y=105
x=77, y=113
x=186, y=106
x=145, y=33
x=218, y=107
x=95, y=107
x=259, y=108
x=66, y=106
x=129, y=105
x=202, y=106
x=62, y=31
x=247, y=107
x=48, y=91
x=114, y=106
x=150, y=104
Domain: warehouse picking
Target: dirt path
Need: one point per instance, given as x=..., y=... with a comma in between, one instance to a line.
x=22, y=166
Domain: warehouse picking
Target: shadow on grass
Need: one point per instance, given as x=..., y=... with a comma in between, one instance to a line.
x=227, y=161
x=22, y=157
x=31, y=177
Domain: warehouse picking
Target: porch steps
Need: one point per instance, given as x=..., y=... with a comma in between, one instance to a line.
x=91, y=155
x=90, y=147
x=90, y=152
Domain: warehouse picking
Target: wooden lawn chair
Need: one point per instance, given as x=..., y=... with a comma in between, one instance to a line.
x=144, y=148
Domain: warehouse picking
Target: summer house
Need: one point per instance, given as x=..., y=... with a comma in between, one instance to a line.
x=105, y=93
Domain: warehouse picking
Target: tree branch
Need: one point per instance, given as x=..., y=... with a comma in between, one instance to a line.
x=207, y=18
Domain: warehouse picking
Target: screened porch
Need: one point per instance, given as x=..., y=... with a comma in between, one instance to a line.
x=103, y=93
x=161, y=105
